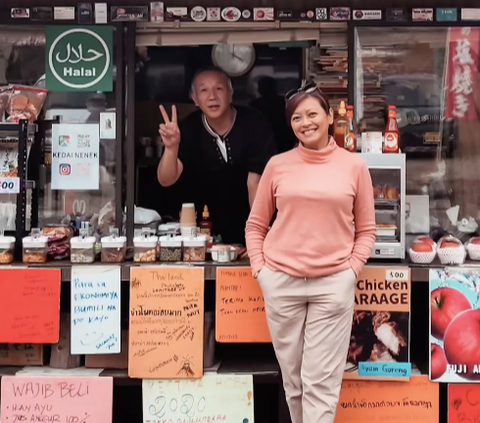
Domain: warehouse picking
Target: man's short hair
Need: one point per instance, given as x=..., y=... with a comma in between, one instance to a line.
x=215, y=69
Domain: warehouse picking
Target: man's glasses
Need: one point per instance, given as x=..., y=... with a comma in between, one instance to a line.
x=307, y=88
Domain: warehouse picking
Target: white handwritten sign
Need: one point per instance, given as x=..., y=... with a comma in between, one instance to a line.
x=95, y=310
x=56, y=399
x=213, y=398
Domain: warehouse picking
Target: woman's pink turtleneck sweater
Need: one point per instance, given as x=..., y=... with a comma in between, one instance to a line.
x=318, y=195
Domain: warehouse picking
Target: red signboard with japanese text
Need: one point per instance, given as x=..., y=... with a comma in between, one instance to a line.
x=462, y=72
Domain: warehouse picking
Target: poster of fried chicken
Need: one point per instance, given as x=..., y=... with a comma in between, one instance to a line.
x=381, y=321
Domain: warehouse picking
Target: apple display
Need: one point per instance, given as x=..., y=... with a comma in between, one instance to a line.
x=438, y=361
x=462, y=343
x=425, y=239
x=475, y=241
x=445, y=304
x=450, y=244
x=422, y=247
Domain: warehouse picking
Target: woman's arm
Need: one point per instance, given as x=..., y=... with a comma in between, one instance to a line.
x=260, y=218
x=364, y=215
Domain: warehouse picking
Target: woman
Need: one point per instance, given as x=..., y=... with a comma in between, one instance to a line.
x=307, y=264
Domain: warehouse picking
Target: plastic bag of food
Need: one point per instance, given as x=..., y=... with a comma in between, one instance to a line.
x=25, y=103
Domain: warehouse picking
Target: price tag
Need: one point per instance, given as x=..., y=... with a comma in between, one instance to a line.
x=9, y=185
x=400, y=275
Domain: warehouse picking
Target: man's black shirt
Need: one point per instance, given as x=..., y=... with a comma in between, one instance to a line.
x=209, y=179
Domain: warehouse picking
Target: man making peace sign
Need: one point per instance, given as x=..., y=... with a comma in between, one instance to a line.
x=219, y=151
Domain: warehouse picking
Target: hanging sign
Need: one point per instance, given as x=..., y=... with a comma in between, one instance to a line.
x=446, y=14
x=462, y=70
x=79, y=58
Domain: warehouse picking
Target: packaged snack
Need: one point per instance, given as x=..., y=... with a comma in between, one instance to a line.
x=25, y=103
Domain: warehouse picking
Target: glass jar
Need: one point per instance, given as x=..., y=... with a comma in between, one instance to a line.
x=194, y=248
x=7, y=249
x=35, y=248
x=114, y=249
x=145, y=248
x=82, y=249
x=171, y=248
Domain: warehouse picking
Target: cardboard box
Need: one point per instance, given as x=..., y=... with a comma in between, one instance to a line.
x=22, y=354
x=110, y=361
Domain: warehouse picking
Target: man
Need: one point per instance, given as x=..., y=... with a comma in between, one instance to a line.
x=218, y=153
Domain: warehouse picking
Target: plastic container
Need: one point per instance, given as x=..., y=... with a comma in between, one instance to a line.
x=7, y=249
x=82, y=249
x=171, y=248
x=473, y=248
x=114, y=249
x=169, y=229
x=451, y=251
x=223, y=253
x=35, y=247
x=194, y=248
x=145, y=248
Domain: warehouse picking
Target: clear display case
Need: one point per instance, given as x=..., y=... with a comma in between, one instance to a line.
x=388, y=179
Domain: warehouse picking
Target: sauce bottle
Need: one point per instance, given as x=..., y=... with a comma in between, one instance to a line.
x=206, y=224
x=350, y=138
x=392, y=136
x=340, y=125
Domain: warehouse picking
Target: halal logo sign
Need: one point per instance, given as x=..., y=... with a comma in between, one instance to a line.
x=79, y=59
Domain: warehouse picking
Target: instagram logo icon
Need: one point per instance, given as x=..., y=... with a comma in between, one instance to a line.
x=65, y=169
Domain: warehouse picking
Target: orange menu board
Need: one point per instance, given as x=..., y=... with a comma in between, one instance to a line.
x=416, y=400
x=29, y=306
x=166, y=323
x=240, y=308
x=463, y=403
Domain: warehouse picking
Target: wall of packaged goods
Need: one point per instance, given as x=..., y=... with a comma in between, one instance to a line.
x=109, y=313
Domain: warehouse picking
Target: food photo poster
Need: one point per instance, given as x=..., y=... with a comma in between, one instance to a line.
x=454, y=325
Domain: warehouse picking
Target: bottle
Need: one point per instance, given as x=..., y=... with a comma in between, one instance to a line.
x=340, y=125
x=392, y=136
x=206, y=224
x=350, y=138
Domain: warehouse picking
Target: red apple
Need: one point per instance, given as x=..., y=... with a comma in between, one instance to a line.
x=449, y=244
x=426, y=240
x=422, y=247
x=445, y=304
x=462, y=342
x=475, y=241
x=438, y=361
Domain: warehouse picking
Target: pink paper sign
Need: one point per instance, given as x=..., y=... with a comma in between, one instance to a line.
x=56, y=399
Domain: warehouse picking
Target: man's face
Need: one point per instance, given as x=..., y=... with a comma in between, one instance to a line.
x=212, y=94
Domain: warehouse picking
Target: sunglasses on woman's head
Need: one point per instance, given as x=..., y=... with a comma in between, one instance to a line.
x=310, y=87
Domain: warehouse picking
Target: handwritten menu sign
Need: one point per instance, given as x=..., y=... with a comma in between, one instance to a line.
x=95, y=310
x=56, y=399
x=240, y=308
x=214, y=398
x=463, y=403
x=416, y=400
x=29, y=306
x=166, y=322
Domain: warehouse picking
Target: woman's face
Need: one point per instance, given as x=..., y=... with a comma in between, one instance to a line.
x=310, y=123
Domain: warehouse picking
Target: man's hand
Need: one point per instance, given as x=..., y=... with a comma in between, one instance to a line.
x=169, y=130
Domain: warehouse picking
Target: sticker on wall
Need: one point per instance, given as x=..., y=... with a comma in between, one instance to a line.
x=85, y=15
x=101, y=14
x=397, y=14
x=213, y=14
x=157, y=11
x=176, y=13
x=446, y=14
x=108, y=125
x=64, y=13
x=20, y=13
x=129, y=13
x=321, y=14
x=198, y=14
x=422, y=15
x=231, y=14
x=339, y=13
x=470, y=14
x=284, y=14
x=263, y=14
x=364, y=15
x=42, y=14
x=246, y=14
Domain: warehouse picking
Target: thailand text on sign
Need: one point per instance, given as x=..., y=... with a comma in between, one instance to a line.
x=95, y=310
x=463, y=403
x=371, y=401
x=56, y=399
x=240, y=307
x=378, y=289
x=29, y=306
x=214, y=398
x=166, y=322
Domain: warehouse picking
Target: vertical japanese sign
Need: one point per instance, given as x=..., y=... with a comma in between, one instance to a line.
x=462, y=72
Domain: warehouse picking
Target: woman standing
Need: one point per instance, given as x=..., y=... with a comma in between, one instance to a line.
x=307, y=264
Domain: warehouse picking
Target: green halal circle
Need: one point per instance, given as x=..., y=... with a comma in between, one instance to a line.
x=78, y=57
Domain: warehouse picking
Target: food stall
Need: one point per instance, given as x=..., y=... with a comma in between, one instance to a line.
x=79, y=158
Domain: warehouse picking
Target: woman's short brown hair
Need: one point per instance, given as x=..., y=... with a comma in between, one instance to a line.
x=292, y=103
